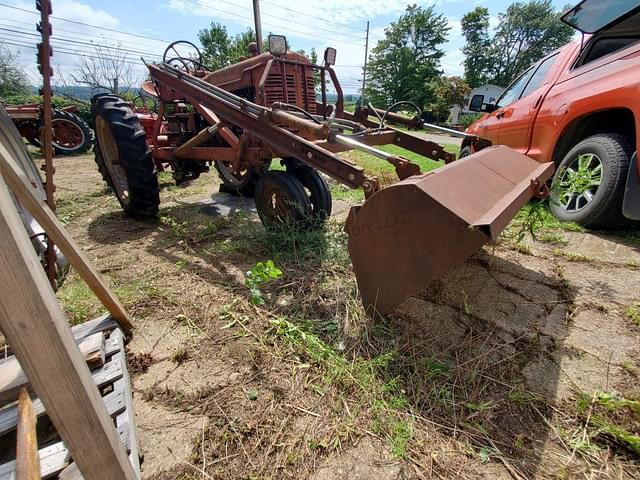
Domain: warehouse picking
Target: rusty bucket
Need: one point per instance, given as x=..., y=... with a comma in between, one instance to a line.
x=411, y=233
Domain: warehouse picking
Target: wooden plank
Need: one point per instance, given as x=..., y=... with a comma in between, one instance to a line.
x=113, y=401
x=13, y=378
x=103, y=323
x=19, y=185
x=35, y=326
x=70, y=473
x=52, y=459
x=128, y=415
x=27, y=460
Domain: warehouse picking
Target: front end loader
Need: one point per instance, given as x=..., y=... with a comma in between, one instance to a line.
x=266, y=107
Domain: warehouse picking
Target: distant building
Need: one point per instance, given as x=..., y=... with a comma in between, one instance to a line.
x=490, y=92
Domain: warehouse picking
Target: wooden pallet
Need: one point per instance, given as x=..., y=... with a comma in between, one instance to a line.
x=102, y=344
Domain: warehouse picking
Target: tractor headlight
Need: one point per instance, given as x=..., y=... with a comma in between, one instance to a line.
x=277, y=45
x=330, y=56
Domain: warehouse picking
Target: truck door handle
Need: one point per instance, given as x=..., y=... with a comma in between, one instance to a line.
x=499, y=115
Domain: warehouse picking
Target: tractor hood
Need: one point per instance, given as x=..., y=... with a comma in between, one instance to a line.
x=593, y=16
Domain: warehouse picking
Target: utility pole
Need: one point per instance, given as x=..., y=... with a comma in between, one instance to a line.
x=258, y=23
x=366, y=55
x=115, y=86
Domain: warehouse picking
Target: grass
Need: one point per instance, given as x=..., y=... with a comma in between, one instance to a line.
x=633, y=313
x=382, y=169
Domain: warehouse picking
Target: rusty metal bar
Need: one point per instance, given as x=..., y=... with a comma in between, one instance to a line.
x=44, y=65
x=255, y=118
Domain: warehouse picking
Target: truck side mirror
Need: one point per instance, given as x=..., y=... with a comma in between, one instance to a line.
x=477, y=101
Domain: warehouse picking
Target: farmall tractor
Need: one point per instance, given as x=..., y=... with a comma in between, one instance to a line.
x=71, y=134
x=265, y=107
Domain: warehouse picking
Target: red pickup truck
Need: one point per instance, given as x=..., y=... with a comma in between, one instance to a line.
x=580, y=108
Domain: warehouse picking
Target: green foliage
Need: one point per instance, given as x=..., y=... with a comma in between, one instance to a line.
x=633, y=313
x=262, y=273
x=526, y=32
x=13, y=80
x=83, y=109
x=221, y=50
x=404, y=64
x=468, y=119
x=448, y=91
x=475, y=28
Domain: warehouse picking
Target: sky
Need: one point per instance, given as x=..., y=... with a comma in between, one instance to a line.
x=155, y=23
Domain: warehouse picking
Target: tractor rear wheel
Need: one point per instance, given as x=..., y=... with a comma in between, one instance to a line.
x=242, y=183
x=123, y=158
x=281, y=199
x=71, y=134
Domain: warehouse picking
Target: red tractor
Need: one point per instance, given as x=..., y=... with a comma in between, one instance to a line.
x=266, y=107
x=71, y=134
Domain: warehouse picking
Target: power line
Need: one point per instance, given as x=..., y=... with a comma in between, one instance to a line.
x=217, y=9
x=311, y=16
x=316, y=27
x=87, y=24
x=76, y=53
x=56, y=30
x=79, y=42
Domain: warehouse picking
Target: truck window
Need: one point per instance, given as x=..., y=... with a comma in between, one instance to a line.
x=605, y=46
x=540, y=74
x=513, y=91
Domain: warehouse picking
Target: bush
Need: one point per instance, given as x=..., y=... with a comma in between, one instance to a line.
x=58, y=102
x=468, y=119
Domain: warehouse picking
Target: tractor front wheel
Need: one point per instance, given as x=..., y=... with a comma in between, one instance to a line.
x=123, y=158
x=317, y=190
x=242, y=183
x=281, y=199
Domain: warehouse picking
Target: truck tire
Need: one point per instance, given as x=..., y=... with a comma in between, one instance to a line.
x=589, y=183
x=281, y=200
x=465, y=151
x=123, y=158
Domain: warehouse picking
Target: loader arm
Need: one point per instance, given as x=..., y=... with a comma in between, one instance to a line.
x=257, y=119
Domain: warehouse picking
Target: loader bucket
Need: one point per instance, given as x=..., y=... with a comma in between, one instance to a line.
x=411, y=233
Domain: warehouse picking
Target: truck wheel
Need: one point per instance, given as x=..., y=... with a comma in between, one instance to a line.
x=318, y=192
x=281, y=199
x=123, y=158
x=589, y=183
x=465, y=152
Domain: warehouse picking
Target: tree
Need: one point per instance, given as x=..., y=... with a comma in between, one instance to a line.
x=448, y=91
x=107, y=68
x=526, y=32
x=475, y=28
x=403, y=65
x=13, y=80
x=220, y=50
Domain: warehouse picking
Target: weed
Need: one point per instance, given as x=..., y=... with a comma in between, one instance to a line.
x=482, y=406
x=633, y=313
x=78, y=300
x=261, y=273
x=554, y=238
x=179, y=355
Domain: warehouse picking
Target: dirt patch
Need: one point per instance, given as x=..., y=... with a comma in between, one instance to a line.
x=479, y=376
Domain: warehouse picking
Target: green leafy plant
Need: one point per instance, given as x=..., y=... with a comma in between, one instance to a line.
x=263, y=272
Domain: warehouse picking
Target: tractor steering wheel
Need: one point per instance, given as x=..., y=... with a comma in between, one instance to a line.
x=180, y=60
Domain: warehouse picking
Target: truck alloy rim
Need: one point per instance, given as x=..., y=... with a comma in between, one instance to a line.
x=579, y=182
x=66, y=134
x=111, y=158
